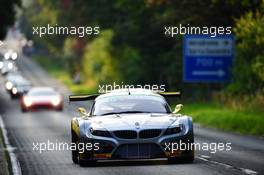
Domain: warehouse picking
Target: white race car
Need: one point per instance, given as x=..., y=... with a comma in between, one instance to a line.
x=130, y=124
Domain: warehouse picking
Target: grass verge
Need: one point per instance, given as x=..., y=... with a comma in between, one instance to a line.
x=222, y=117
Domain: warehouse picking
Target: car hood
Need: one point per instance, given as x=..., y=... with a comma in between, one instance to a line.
x=133, y=121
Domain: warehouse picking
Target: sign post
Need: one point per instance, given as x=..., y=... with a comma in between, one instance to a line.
x=207, y=59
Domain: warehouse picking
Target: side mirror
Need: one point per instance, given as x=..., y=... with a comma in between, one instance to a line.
x=83, y=112
x=177, y=108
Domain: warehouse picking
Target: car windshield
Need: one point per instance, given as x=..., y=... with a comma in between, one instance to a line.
x=41, y=92
x=23, y=86
x=130, y=104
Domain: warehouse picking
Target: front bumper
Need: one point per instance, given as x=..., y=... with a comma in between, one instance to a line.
x=39, y=106
x=116, y=148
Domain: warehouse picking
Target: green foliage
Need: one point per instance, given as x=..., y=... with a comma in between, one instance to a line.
x=98, y=64
x=71, y=57
x=218, y=116
x=58, y=71
x=129, y=59
x=249, y=65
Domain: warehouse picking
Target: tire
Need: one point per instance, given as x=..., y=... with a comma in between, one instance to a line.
x=84, y=163
x=60, y=109
x=174, y=160
x=180, y=160
x=189, y=159
x=75, y=159
x=75, y=154
x=12, y=96
x=23, y=110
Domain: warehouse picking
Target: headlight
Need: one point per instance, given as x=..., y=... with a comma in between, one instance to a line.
x=101, y=133
x=27, y=101
x=10, y=65
x=55, y=100
x=173, y=130
x=1, y=64
x=14, y=90
x=7, y=55
x=14, y=56
x=9, y=85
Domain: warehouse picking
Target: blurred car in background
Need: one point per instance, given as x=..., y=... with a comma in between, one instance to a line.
x=20, y=86
x=11, y=78
x=41, y=98
x=7, y=66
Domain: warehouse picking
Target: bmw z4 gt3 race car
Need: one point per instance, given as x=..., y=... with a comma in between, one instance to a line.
x=131, y=124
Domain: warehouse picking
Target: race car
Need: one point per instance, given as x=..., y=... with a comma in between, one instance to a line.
x=130, y=124
x=41, y=98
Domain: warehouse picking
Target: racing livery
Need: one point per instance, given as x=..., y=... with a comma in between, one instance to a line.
x=130, y=124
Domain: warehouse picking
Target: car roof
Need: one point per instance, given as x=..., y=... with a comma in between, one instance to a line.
x=125, y=92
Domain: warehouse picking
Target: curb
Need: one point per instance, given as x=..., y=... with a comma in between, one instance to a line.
x=4, y=162
x=12, y=161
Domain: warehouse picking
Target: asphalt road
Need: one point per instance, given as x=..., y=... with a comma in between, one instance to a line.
x=246, y=156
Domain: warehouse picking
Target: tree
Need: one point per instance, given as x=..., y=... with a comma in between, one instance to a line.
x=7, y=15
x=249, y=64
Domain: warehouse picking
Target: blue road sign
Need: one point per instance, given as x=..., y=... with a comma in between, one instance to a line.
x=207, y=59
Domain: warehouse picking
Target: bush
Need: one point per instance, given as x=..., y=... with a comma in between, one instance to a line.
x=249, y=64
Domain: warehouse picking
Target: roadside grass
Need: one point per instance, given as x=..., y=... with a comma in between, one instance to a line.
x=59, y=72
x=222, y=117
x=215, y=115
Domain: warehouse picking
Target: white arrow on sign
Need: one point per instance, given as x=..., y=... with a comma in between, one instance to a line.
x=219, y=73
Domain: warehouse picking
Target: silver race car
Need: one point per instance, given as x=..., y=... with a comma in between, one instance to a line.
x=131, y=124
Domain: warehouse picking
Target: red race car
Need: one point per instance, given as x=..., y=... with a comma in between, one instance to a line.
x=41, y=98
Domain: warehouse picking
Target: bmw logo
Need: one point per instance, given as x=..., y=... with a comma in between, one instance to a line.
x=137, y=125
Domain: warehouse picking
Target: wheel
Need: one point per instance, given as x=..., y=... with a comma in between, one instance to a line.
x=174, y=160
x=189, y=159
x=74, y=159
x=179, y=160
x=83, y=163
x=60, y=108
x=188, y=156
x=23, y=110
x=12, y=96
x=75, y=153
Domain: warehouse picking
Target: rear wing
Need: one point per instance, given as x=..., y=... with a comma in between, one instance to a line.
x=83, y=97
x=170, y=94
x=94, y=96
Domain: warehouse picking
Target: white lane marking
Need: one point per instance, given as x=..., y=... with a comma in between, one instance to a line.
x=205, y=156
x=246, y=171
x=16, y=169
